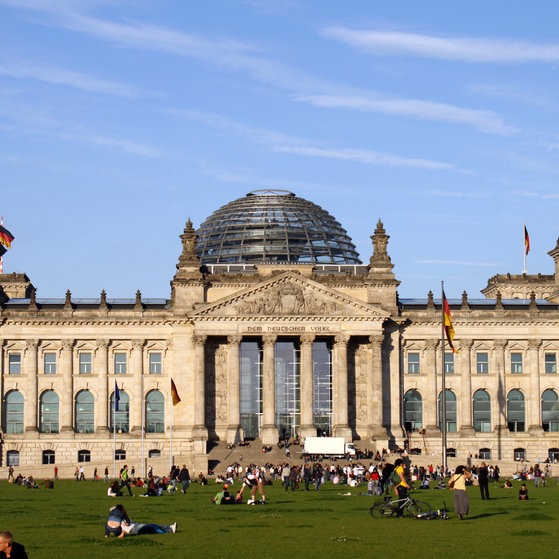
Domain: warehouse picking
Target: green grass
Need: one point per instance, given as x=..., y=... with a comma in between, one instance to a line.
x=68, y=522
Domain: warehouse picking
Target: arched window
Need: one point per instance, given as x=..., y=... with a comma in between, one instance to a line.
x=451, y=416
x=13, y=412
x=121, y=417
x=84, y=456
x=120, y=454
x=516, y=411
x=12, y=457
x=155, y=412
x=48, y=410
x=482, y=411
x=85, y=404
x=550, y=411
x=413, y=410
x=49, y=457
x=154, y=453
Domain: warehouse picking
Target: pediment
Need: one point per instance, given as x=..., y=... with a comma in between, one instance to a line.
x=290, y=295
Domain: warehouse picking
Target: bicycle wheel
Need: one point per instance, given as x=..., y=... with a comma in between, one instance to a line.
x=416, y=508
x=382, y=510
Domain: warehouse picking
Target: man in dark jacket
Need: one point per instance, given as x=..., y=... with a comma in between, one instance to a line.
x=9, y=548
x=184, y=478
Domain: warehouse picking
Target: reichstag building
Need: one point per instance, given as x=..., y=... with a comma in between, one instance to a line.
x=275, y=328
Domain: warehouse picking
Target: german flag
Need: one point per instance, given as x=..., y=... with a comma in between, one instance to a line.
x=448, y=327
x=6, y=237
x=526, y=240
x=174, y=393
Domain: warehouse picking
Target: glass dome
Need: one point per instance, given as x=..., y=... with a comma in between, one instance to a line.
x=273, y=226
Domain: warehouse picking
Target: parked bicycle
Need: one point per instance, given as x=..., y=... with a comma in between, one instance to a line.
x=389, y=507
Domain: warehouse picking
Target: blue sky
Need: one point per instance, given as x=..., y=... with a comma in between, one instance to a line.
x=121, y=119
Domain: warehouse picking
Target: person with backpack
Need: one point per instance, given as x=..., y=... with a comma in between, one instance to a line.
x=401, y=486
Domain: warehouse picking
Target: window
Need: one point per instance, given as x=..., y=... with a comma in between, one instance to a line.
x=12, y=457
x=49, y=457
x=551, y=363
x=49, y=363
x=482, y=363
x=484, y=454
x=155, y=412
x=84, y=456
x=85, y=363
x=520, y=454
x=322, y=386
x=413, y=363
x=287, y=387
x=482, y=411
x=516, y=411
x=251, y=387
x=155, y=364
x=451, y=416
x=120, y=363
x=120, y=454
x=13, y=410
x=48, y=422
x=516, y=363
x=120, y=418
x=154, y=453
x=85, y=422
x=413, y=410
x=14, y=363
x=550, y=411
x=449, y=363
x=553, y=455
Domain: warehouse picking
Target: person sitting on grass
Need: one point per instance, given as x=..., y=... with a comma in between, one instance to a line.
x=523, y=493
x=114, y=490
x=117, y=516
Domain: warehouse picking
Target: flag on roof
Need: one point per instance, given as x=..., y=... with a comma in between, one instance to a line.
x=448, y=326
x=174, y=393
x=6, y=237
x=526, y=240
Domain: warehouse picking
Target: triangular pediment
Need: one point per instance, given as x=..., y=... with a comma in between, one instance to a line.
x=289, y=294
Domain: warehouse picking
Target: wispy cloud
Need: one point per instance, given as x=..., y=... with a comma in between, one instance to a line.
x=485, y=121
x=302, y=146
x=24, y=69
x=465, y=49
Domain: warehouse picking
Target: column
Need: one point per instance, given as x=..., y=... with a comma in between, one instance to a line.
x=500, y=406
x=200, y=431
x=533, y=399
x=269, y=431
x=137, y=388
x=101, y=370
x=340, y=401
x=375, y=389
x=67, y=392
x=464, y=368
x=234, y=434
x=307, y=396
x=31, y=401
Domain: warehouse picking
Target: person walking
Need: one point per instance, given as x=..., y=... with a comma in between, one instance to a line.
x=483, y=480
x=125, y=480
x=458, y=484
x=184, y=478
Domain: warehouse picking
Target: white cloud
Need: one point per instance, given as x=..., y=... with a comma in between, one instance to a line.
x=470, y=49
x=485, y=121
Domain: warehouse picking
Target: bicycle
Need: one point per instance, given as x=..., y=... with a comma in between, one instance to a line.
x=389, y=507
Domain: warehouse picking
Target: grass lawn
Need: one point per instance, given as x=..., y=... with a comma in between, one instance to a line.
x=68, y=522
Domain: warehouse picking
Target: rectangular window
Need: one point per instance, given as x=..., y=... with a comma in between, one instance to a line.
x=516, y=363
x=413, y=363
x=120, y=363
x=85, y=363
x=551, y=363
x=49, y=363
x=449, y=363
x=14, y=363
x=155, y=365
x=482, y=363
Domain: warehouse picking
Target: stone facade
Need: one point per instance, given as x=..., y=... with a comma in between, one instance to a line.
x=62, y=361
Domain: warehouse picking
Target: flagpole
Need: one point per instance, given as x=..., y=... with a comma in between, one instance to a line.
x=171, y=434
x=443, y=381
x=114, y=436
